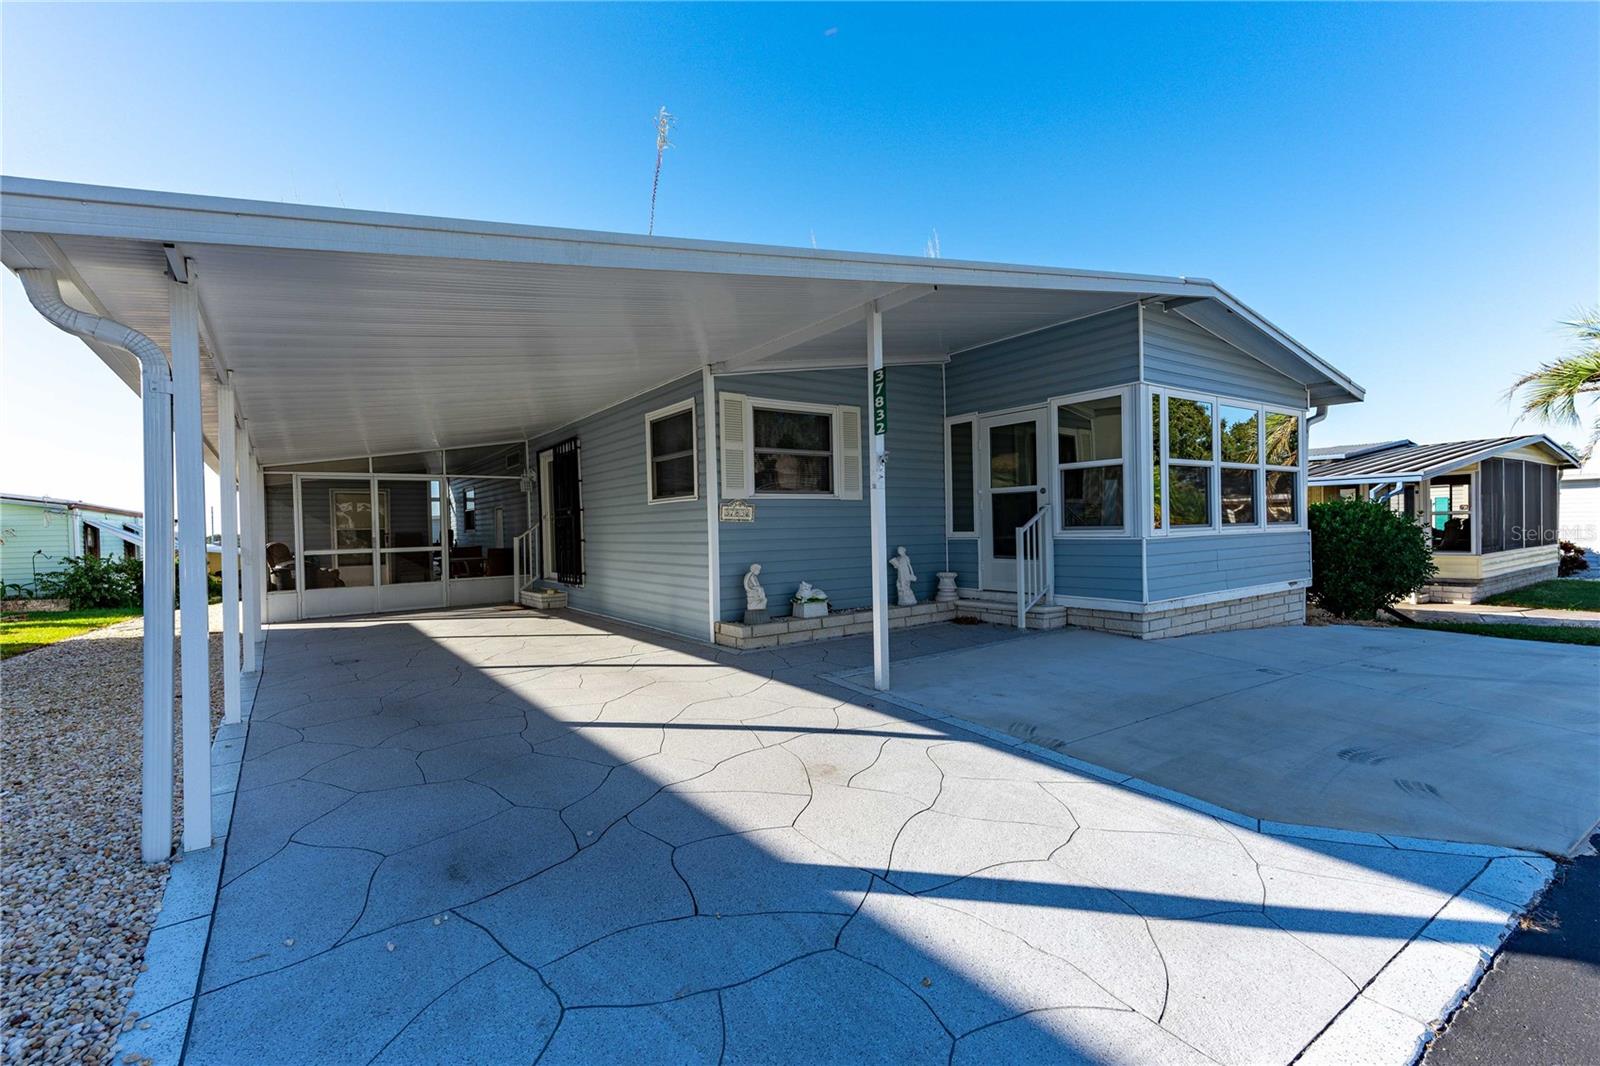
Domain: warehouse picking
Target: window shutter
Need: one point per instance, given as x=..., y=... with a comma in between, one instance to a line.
x=737, y=465
x=849, y=452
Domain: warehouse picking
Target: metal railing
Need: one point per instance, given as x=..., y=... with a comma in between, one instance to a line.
x=524, y=568
x=1035, y=563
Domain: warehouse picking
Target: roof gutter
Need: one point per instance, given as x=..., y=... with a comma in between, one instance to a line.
x=44, y=293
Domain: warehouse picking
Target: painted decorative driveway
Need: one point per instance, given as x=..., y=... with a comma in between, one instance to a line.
x=499, y=836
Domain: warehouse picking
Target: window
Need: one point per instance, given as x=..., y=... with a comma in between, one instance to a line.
x=469, y=509
x=1228, y=464
x=963, y=510
x=91, y=541
x=670, y=454
x=1091, y=463
x=787, y=448
x=1450, y=513
x=1283, y=468
x=793, y=451
x=1190, y=449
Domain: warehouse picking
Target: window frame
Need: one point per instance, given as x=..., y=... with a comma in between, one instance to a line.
x=671, y=411
x=835, y=456
x=1127, y=396
x=950, y=530
x=1471, y=512
x=1215, y=526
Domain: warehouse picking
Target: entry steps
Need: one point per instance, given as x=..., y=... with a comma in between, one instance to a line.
x=543, y=599
x=1001, y=609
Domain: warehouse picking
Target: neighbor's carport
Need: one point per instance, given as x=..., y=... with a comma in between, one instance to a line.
x=262, y=334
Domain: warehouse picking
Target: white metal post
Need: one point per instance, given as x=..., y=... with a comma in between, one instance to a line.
x=155, y=829
x=708, y=417
x=253, y=556
x=227, y=476
x=880, y=524
x=195, y=668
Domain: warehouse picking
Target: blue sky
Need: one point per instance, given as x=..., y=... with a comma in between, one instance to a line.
x=1409, y=190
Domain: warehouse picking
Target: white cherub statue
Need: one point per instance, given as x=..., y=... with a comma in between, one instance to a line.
x=904, y=577
x=755, y=597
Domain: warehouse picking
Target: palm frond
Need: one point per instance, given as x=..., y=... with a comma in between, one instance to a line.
x=1551, y=392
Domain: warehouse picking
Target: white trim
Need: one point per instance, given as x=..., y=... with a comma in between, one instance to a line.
x=950, y=532
x=1061, y=531
x=1196, y=600
x=649, y=451
x=837, y=445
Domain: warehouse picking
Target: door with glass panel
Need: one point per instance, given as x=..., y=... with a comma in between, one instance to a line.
x=1011, y=489
x=338, y=529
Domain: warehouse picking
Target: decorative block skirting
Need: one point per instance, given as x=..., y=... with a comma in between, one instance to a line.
x=23, y=606
x=1286, y=608
x=1476, y=591
x=791, y=630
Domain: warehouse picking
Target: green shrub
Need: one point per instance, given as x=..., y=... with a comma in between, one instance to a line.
x=92, y=581
x=1364, y=557
x=1572, y=559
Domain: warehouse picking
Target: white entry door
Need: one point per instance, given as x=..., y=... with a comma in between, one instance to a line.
x=1011, y=489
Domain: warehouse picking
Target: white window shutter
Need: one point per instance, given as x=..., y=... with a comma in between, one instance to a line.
x=848, y=482
x=737, y=464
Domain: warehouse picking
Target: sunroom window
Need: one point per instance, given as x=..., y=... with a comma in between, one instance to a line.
x=1239, y=434
x=1243, y=456
x=1283, y=468
x=1189, y=461
x=1091, y=463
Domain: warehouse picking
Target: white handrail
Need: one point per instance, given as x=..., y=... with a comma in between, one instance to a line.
x=1033, y=564
x=521, y=550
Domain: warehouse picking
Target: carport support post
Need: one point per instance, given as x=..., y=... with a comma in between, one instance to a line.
x=249, y=547
x=880, y=524
x=155, y=820
x=227, y=476
x=195, y=668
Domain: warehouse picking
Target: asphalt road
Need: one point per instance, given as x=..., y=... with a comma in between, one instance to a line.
x=1540, y=1004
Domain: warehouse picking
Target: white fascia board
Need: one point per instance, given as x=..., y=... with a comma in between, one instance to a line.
x=32, y=205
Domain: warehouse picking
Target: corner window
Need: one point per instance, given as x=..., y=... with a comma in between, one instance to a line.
x=1226, y=465
x=1091, y=463
x=793, y=451
x=671, y=459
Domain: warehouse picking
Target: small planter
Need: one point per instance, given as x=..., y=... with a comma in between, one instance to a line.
x=815, y=609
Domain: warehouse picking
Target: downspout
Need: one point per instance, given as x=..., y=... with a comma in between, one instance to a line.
x=44, y=292
x=1318, y=415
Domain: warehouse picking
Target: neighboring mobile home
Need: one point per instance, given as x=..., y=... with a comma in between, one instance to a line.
x=1580, y=504
x=38, y=532
x=1491, y=506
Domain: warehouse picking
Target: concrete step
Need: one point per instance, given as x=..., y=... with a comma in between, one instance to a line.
x=1000, y=612
x=543, y=599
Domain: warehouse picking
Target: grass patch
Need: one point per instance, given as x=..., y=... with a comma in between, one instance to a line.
x=1519, y=631
x=35, y=629
x=1557, y=595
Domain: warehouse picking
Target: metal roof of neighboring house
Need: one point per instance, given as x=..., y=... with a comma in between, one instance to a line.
x=1355, y=451
x=1421, y=461
x=358, y=332
x=80, y=505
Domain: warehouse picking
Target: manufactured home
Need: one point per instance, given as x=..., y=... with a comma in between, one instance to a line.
x=37, y=533
x=1491, y=507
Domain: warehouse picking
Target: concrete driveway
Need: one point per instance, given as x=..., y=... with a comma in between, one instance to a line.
x=1393, y=731
x=499, y=836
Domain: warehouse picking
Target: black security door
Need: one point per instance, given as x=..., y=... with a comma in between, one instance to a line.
x=566, y=513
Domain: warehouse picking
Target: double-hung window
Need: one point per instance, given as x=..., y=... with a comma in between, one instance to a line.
x=793, y=450
x=1223, y=464
x=671, y=461
x=1091, y=464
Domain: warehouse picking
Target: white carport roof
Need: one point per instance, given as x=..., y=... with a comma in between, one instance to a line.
x=355, y=332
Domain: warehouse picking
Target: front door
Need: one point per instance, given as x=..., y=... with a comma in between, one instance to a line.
x=1011, y=489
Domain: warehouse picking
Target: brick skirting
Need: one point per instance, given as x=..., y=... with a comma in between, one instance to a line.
x=1476, y=591
x=1287, y=608
x=791, y=630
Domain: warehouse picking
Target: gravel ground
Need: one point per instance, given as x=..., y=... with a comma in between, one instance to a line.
x=76, y=902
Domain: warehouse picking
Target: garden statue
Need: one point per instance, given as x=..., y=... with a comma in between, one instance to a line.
x=904, y=577
x=755, y=597
x=809, y=601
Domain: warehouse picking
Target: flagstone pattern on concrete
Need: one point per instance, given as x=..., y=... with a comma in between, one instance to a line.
x=496, y=836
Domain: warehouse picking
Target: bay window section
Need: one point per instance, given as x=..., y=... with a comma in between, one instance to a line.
x=1239, y=436
x=1091, y=463
x=1190, y=459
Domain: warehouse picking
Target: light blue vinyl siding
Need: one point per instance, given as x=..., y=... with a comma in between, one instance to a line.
x=1091, y=353
x=642, y=562
x=1102, y=569
x=964, y=561
x=1181, y=354
x=1190, y=565
x=827, y=541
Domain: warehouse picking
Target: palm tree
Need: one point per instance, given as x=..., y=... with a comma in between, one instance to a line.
x=1551, y=393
